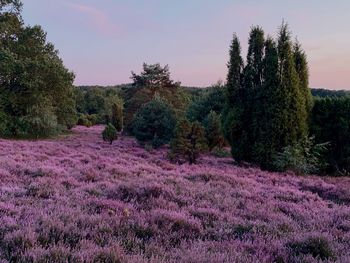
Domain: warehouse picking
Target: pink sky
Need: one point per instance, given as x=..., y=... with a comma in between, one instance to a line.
x=102, y=41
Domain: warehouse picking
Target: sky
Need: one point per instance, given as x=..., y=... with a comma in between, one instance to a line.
x=102, y=41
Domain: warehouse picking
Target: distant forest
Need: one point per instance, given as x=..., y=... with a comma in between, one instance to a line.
x=196, y=91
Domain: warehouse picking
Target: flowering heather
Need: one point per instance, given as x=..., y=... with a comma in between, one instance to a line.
x=79, y=199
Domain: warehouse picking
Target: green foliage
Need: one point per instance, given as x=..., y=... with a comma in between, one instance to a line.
x=114, y=112
x=305, y=157
x=330, y=122
x=213, y=133
x=212, y=99
x=86, y=120
x=188, y=142
x=100, y=106
x=268, y=100
x=109, y=134
x=153, y=80
x=35, y=88
x=323, y=93
x=154, y=123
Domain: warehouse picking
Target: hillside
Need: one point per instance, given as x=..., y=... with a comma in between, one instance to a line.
x=78, y=198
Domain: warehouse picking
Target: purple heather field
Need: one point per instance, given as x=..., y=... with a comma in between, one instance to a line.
x=79, y=199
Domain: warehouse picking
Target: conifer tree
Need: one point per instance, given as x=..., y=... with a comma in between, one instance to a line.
x=233, y=111
x=109, y=134
x=302, y=69
x=252, y=85
x=269, y=108
x=189, y=141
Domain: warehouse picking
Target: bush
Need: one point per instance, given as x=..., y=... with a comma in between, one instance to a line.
x=40, y=122
x=84, y=121
x=154, y=123
x=188, y=142
x=109, y=134
x=318, y=247
x=303, y=158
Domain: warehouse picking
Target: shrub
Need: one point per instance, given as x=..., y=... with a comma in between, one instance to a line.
x=318, y=247
x=109, y=134
x=154, y=123
x=303, y=158
x=189, y=141
x=83, y=120
x=109, y=255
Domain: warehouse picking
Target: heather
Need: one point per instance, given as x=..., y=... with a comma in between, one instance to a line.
x=80, y=199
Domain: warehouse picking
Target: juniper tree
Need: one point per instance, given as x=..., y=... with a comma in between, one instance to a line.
x=234, y=108
x=189, y=141
x=253, y=93
x=109, y=134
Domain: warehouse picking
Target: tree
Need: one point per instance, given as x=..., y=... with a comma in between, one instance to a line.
x=233, y=111
x=213, y=131
x=268, y=110
x=33, y=78
x=154, y=79
x=154, y=123
x=294, y=119
x=189, y=141
x=109, y=134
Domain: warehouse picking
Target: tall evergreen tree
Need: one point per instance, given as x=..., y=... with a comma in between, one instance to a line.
x=252, y=85
x=269, y=109
x=293, y=121
x=233, y=111
x=302, y=69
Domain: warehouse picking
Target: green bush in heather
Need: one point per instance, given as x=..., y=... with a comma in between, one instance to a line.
x=110, y=134
x=154, y=123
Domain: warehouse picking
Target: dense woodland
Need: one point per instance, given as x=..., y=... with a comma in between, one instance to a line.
x=264, y=112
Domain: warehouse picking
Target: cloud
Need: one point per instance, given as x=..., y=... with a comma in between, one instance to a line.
x=97, y=19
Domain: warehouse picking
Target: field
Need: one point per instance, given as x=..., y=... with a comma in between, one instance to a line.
x=79, y=199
